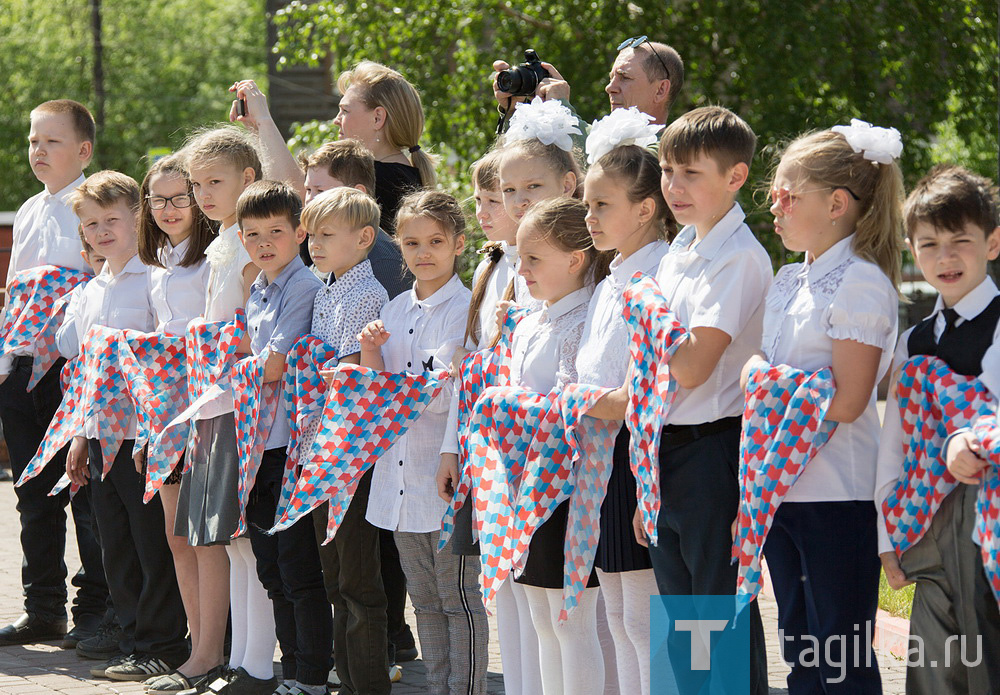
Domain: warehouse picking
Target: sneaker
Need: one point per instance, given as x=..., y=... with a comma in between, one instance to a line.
x=103, y=645
x=212, y=682
x=333, y=680
x=239, y=682
x=138, y=668
x=84, y=627
x=99, y=671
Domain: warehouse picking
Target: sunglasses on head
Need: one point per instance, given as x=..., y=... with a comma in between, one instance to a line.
x=638, y=41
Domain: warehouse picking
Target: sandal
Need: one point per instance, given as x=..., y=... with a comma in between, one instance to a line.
x=171, y=683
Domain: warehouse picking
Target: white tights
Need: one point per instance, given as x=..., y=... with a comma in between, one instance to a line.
x=570, y=653
x=518, y=641
x=252, y=613
x=626, y=602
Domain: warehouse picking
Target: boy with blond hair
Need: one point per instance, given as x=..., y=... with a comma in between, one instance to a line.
x=137, y=560
x=60, y=145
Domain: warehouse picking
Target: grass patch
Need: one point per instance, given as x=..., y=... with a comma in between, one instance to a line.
x=897, y=603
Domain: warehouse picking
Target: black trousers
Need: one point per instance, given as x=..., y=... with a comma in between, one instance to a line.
x=823, y=558
x=137, y=559
x=289, y=569
x=25, y=418
x=699, y=498
x=351, y=569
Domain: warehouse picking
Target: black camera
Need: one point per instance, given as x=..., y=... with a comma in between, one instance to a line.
x=522, y=80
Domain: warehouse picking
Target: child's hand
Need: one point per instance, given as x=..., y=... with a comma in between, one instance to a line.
x=502, y=308
x=373, y=336
x=745, y=373
x=76, y=461
x=964, y=458
x=640, y=532
x=139, y=457
x=894, y=381
x=256, y=105
x=447, y=476
x=456, y=362
x=894, y=574
x=732, y=529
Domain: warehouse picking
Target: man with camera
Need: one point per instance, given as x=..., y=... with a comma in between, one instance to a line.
x=645, y=74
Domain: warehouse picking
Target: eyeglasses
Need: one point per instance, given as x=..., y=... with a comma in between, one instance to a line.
x=638, y=41
x=785, y=197
x=181, y=200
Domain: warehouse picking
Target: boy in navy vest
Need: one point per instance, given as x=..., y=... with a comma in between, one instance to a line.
x=952, y=232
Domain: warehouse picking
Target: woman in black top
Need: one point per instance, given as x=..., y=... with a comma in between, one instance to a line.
x=382, y=109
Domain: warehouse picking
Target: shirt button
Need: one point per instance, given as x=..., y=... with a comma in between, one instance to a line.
x=411, y=331
x=408, y=364
x=401, y=492
x=265, y=300
x=400, y=463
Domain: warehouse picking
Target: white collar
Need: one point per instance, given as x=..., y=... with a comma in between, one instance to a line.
x=717, y=235
x=975, y=302
x=568, y=303
x=134, y=265
x=443, y=294
x=62, y=195
x=622, y=269
x=831, y=258
x=174, y=254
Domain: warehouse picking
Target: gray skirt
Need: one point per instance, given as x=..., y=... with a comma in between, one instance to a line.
x=207, y=504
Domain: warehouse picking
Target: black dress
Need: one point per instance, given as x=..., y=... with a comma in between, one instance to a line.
x=392, y=182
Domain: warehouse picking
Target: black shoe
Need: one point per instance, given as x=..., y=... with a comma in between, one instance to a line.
x=30, y=629
x=84, y=627
x=239, y=682
x=103, y=645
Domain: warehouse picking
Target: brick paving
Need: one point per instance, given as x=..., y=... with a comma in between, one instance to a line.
x=44, y=668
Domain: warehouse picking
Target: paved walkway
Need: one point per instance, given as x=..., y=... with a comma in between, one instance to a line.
x=44, y=668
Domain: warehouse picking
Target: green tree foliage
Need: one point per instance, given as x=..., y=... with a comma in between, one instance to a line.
x=927, y=68
x=167, y=64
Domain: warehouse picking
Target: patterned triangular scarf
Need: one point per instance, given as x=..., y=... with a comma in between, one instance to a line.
x=365, y=413
x=210, y=353
x=256, y=406
x=304, y=393
x=784, y=425
x=570, y=457
x=987, y=532
x=36, y=303
x=656, y=333
x=96, y=390
x=933, y=401
x=479, y=370
x=154, y=370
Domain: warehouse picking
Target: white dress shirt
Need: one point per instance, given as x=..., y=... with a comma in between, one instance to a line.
x=545, y=344
x=114, y=300
x=890, y=450
x=46, y=232
x=345, y=305
x=718, y=282
x=838, y=296
x=227, y=258
x=604, y=349
x=424, y=334
x=177, y=292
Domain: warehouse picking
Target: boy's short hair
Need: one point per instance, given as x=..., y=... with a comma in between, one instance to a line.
x=711, y=131
x=104, y=188
x=79, y=115
x=948, y=198
x=346, y=205
x=262, y=199
x=229, y=144
x=348, y=161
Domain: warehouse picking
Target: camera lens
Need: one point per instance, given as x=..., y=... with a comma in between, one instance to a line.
x=509, y=81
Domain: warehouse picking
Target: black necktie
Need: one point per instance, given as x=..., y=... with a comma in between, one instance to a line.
x=950, y=317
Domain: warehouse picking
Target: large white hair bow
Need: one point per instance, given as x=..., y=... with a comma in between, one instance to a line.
x=878, y=145
x=620, y=127
x=549, y=122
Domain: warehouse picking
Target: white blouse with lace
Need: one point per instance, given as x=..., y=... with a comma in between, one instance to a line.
x=545, y=343
x=837, y=296
x=604, y=349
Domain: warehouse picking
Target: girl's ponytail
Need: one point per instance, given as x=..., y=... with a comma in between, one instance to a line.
x=495, y=251
x=878, y=233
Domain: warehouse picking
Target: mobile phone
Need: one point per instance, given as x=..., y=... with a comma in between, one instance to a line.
x=241, y=107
